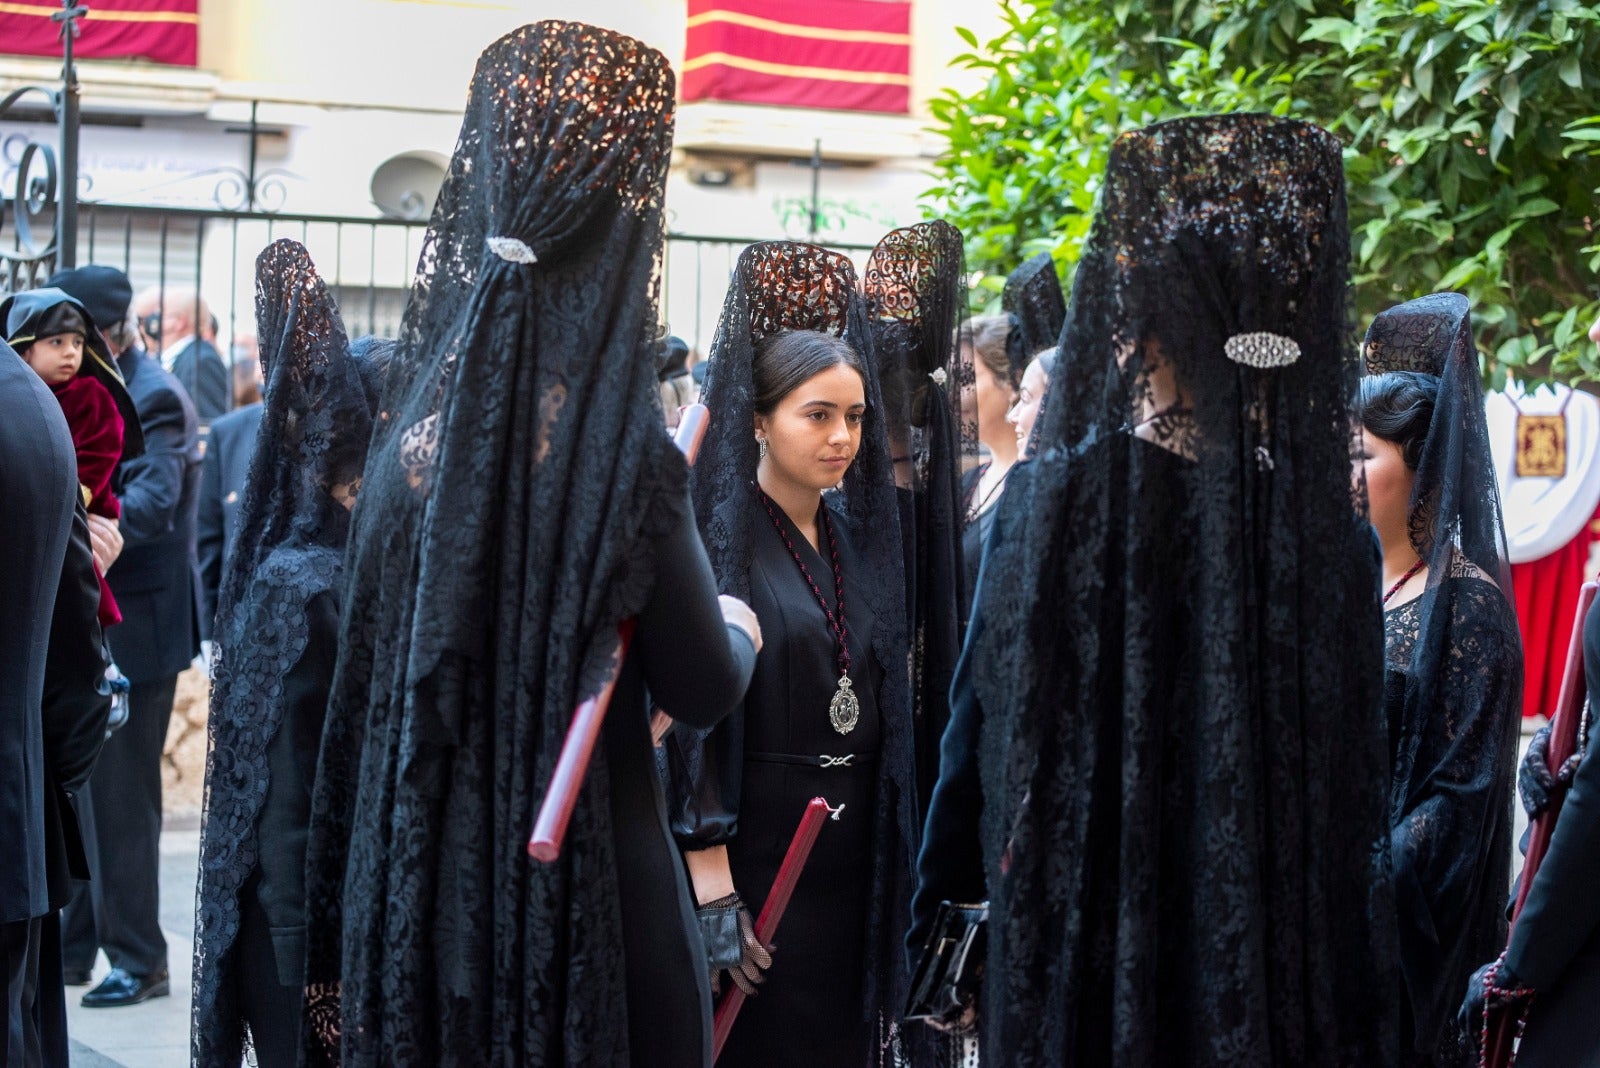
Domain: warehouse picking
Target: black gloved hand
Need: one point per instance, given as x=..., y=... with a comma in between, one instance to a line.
x=1534, y=782
x=731, y=944
x=1491, y=986
x=1537, y=785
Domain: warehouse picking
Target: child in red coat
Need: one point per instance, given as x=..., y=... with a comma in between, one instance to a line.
x=54, y=335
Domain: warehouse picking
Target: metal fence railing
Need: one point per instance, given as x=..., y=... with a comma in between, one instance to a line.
x=368, y=262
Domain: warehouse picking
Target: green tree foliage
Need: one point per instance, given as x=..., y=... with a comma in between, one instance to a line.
x=1471, y=132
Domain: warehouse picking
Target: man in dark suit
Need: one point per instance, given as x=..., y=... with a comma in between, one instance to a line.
x=52, y=711
x=179, y=319
x=222, y=478
x=155, y=583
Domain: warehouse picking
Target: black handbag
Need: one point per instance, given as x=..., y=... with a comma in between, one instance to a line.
x=950, y=973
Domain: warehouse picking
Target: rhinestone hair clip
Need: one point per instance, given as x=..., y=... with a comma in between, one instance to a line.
x=1262, y=350
x=512, y=250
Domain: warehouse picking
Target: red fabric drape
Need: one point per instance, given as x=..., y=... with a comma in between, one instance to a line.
x=842, y=54
x=1546, y=594
x=163, y=31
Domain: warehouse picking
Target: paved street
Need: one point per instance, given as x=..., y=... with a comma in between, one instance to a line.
x=155, y=1034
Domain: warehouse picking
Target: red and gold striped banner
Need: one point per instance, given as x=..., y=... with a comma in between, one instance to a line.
x=853, y=55
x=163, y=31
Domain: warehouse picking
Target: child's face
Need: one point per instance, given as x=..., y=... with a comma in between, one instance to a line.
x=56, y=358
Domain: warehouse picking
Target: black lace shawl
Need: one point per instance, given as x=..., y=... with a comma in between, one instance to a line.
x=779, y=286
x=1457, y=653
x=916, y=295
x=1177, y=647
x=315, y=426
x=502, y=533
x=1032, y=300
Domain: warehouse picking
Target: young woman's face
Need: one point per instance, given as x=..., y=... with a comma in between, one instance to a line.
x=1026, y=410
x=56, y=358
x=1389, y=481
x=987, y=401
x=814, y=432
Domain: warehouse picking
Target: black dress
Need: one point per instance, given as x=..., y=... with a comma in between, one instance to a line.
x=809, y=1011
x=1555, y=948
x=681, y=656
x=980, y=520
x=1450, y=806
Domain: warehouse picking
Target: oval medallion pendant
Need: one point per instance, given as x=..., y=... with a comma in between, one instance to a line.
x=844, y=711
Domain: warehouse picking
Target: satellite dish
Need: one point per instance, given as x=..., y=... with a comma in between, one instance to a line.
x=405, y=186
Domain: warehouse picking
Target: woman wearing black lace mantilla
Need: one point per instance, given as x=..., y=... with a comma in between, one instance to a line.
x=795, y=412
x=277, y=627
x=1166, y=764
x=1453, y=680
x=521, y=501
x=915, y=286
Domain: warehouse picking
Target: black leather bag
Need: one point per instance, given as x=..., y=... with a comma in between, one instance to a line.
x=950, y=973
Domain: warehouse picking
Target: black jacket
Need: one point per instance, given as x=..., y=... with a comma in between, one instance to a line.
x=222, y=480
x=75, y=709
x=48, y=571
x=156, y=579
x=203, y=375
x=1560, y=921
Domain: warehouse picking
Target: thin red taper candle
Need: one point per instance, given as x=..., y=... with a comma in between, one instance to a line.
x=550, y=829
x=794, y=862
x=1499, y=1048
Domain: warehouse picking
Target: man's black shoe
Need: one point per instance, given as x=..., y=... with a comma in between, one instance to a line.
x=75, y=977
x=122, y=988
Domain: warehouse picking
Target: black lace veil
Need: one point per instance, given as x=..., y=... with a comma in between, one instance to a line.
x=1033, y=301
x=315, y=425
x=780, y=286
x=1177, y=640
x=1455, y=511
x=915, y=288
x=502, y=533
x=1458, y=655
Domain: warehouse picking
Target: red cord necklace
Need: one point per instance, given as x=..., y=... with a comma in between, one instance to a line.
x=844, y=711
x=1403, y=580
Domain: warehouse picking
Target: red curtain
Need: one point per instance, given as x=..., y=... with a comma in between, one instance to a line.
x=1546, y=593
x=852, y=55
x=163, y=31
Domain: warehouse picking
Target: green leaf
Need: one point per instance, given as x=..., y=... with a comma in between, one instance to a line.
x=1511, y=94
x=1474, y=82
x=1495, y=247
x=1571, y=70
x=1532, y=209
x=1422, y=78
x=1325, y=29
x=1436, y=44
x=1450, y=187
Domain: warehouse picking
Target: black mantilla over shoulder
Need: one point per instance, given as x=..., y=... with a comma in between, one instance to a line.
x=510, y=510
x=1178, y=642
x=274, y=660
x=1454, y=688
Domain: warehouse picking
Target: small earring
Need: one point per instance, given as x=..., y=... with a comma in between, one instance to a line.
x=761, y=447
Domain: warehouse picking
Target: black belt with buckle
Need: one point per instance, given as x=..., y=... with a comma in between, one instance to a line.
x=843, y=760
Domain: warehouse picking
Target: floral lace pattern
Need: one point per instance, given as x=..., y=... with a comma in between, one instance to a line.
x=502, y=534
x=1032, y=298
x=916, y=294
x=313, y=435
x=1182, y=814
x=1454, y=686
